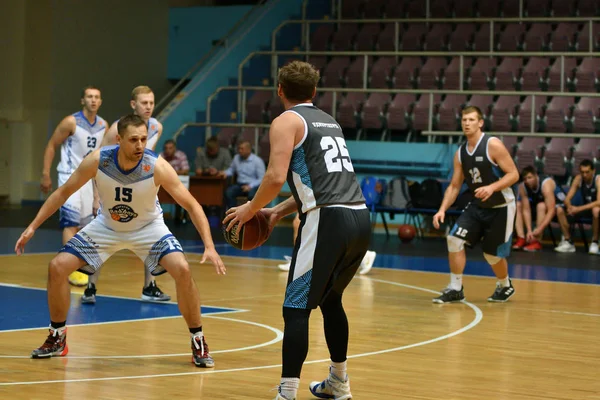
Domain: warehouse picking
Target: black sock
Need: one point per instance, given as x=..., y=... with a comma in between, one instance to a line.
x=336, y=327
x=195, y=330
x=295, y=341
x=58, y=325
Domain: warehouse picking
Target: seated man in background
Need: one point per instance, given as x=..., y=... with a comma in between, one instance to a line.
x=587, y=182
x=213, y=159
x=179, y=161
x=177, y=158
x=249, y=170
x=536, y=201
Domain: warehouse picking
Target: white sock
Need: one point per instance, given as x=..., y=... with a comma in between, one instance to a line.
x=504, y=282
x=60, y=330
x=148, y=278
x=455, y=281
x=339, y=370
x=289, y=387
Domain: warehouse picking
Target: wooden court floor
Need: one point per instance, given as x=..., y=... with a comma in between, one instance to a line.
x=543, y=344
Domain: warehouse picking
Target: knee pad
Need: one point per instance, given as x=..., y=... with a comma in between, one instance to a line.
x=492, y=260
x=455, y=244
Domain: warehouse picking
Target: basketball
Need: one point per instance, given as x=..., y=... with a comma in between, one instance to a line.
x=406, y=233
x=252, y=235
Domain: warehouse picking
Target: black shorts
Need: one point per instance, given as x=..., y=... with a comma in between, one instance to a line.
x=492, y=226
x=330, y=246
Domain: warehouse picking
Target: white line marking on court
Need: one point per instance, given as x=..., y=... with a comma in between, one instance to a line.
x=557, y=311
x=476, y=320
x=278, y=338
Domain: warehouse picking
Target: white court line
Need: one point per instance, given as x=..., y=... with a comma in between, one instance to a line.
x=557, y=311
x=278, y=338
x=476, y=320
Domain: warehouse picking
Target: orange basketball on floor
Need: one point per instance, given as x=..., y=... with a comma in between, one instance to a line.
x=406, y=233
x=252, y=235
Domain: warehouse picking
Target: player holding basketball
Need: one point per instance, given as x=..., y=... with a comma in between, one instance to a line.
x=142, y=104
x=490, y=173
x=128, y=178
x=78, y=135
x=308, y=146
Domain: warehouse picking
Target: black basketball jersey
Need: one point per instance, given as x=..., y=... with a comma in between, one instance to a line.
x=480, y=171
x=536, y=196
x=589, y=192
x=321, y=171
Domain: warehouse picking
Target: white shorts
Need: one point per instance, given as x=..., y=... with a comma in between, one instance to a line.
x=95, y=243
x=77, y=210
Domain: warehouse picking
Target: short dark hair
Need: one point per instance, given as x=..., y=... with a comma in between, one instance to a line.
x=212, y=143
x=85, y=89
x=170, y=141
x=298, y=80
x=470, y=109
x=127, y=121
x=530, y=169
x=586, y=163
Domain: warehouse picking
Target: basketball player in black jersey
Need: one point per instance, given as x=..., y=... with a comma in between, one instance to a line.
x=536, y=201
x=308, y=146
x=587, y=182
x=490, y=173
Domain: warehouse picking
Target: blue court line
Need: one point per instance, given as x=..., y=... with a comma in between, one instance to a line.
x=26, y=308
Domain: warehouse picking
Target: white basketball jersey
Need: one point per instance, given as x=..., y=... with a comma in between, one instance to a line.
x=128, y=199
x=152, y=133
x=86, y=138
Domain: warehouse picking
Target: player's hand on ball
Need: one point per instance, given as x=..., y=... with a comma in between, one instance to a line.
x=213, y=256
x=271, y=216
x=238, y=215
x=25, y=237
x=484, y=192
x=438, y=218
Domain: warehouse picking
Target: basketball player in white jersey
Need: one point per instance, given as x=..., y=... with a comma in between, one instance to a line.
x=142, y=104
x=127, y=177
x=78, y=135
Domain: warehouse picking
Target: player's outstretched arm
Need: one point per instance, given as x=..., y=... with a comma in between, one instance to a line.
x=110, y=137
x=452, y=192
x=86, y=171
x=165, y=175
x=64, y=129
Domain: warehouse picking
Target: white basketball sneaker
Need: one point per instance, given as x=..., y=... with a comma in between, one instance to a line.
x=285, y=266
x=331, y=388
x=367, y=262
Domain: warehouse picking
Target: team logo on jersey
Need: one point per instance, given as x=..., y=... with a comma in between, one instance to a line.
x=480, y=159
x=146, y=167
x=122, y=213
x=105, y=163
x=152, y=127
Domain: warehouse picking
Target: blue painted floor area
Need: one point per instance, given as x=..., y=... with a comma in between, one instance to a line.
x=25, y=308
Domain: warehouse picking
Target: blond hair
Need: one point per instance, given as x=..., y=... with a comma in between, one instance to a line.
x=140, y=90
x=475, y=109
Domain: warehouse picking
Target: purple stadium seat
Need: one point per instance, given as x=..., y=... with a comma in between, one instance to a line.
x=275, y=108
x=512, y=37
x=373, y=110
x=405, y=72
x=510, y=8
x=489, y=9
x=395, y=9
x=381, y=72
x=464, y=9
x=534, y=73
x=537, y=37
x=440, y=8
x=524, y=114
x=351, y=9
x=481, y=73
x=355, y=73
x=586, y=75
x=430, y=73
x=537, y=8
x=437, y=38
x=587, y=148
x=557, y=113
x=325, y=102
x=461, y=39
x=449, y=112
x=503, y=112
x=343, y=39
x=367, y=37
x=415, y=9
x=585, y=115
x=507, y=73
x=481, y=40
x=319, y=62
x=373, y=9
x=510, y=142
x=451, y=78
x=583, y=38
x=483, y=101
x=387, y=38
x=398, y=111
x=333, y=73
x=533, y=143
x=226, y=136
x=563, y=38
x=553, y=80
x=587, y=8
x=349, y=108
x=563, y=8
x=412, y=38
x=420, y=114
x=319, y=40
x=256, y=106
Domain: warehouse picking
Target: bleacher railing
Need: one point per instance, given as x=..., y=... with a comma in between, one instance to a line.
x=492, y=21
x=244, y=89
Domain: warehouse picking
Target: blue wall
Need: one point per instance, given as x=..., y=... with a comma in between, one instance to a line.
x=192, y=31
x=250, y=37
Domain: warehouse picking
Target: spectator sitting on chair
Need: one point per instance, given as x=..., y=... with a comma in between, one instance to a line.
x=212, y=159
x=176, y=158
x=587, y=182
x=536, y=201
x=249, y=170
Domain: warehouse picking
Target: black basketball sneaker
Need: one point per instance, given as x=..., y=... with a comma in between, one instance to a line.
x=450, y=295
x=502, y=294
